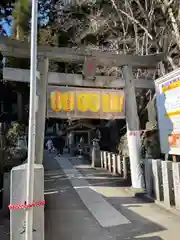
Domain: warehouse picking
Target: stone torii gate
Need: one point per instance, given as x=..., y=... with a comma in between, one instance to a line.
x=18, y=49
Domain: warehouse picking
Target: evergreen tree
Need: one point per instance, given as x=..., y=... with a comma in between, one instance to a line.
x=21, y=18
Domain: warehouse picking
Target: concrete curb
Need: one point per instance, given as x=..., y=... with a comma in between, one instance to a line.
x=143, y=195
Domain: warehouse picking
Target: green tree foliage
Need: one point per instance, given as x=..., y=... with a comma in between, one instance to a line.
x=14, y=133
x=21, y=18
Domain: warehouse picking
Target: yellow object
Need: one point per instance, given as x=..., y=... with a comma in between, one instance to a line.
x=55, y=101
x=171, y=86
x=82, y=102
x=86, y=101
x=112, y=103
x=121, y=103
x=106, y=102
x=94, y=102
x=62, y=101
x=67, y=101
x=172, y=114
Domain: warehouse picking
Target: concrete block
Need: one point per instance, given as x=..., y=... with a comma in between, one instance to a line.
x=110, y=161
x=114, y=163
x=157, y=179
x=148, y=176
x=176, y=181
x=105, y=160
x=18, y=196
x=167, y=183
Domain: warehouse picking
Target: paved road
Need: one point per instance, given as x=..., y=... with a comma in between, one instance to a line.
x=86, y=204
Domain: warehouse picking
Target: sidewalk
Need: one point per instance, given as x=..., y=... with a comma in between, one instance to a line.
x=84, y=204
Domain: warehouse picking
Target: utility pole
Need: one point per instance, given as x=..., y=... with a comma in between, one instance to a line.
x=32, y=123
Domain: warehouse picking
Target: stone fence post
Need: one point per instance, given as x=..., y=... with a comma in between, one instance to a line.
x=109, y=161
x=114, y=163
x=167, y=183
x=119, y=165
x=157, y=179
x=176, y=180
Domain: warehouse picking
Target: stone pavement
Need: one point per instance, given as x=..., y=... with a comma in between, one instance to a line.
x=84, y=204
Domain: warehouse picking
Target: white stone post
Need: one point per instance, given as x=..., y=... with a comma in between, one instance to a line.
x=125, y=171
x=102, y=155
x=167, y=183
x=119, y=165
x=41, y=113
x=109, y=162
x=148, y=176
x=105, y=160
x=176, y=180
x=18, y=197
x=114, y=163
x=157, y=179
x=133, y=133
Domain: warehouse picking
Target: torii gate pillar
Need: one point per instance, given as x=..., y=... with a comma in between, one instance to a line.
x=41, y=112
x=133, y=133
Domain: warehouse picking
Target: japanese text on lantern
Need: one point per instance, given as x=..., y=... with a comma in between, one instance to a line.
x=86, y=101
x=62, y=101
x=112, y=102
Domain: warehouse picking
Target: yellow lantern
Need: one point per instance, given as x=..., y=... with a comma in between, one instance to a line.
x=114, y=102
x=94, y=102
x=106, y=102
x=82, y=102
x=121, y=103
x=62, y=101
x=67, y=101
x=55, y=102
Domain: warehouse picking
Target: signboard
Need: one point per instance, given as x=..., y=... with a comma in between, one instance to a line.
x=168, y=108
x=68, y=102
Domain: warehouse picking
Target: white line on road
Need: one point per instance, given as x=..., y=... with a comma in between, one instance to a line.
x=100, y=208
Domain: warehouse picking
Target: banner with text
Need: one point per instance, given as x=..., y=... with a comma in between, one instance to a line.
x=168, y=109
x=71, y=102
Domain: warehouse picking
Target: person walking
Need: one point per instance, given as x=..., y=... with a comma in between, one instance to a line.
x=60, y=143
x=70, y=143
x=49, y=145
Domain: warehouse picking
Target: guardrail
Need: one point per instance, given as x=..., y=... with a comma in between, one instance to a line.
x=115, y=164
x=162, y=180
